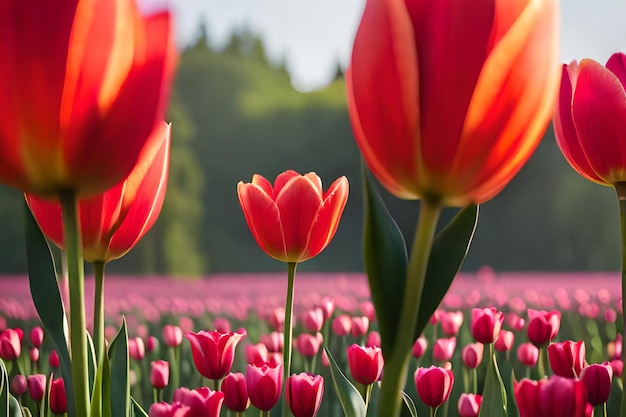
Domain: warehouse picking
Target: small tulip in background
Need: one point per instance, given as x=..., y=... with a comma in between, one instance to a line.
x=235, y=392
x=486, y=324
x=57, y=399
x=213, y=352
x=434, y=386
x=469, y=405
x=159, y=377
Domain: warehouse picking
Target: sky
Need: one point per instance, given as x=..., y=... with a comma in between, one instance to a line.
x=312, y=36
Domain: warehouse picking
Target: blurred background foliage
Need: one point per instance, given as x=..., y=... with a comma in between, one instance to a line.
x=235, y=113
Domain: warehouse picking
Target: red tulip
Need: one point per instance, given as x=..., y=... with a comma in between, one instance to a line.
x=366, y=364
x=214, y=352
x=543, y=326
x=172, y=335
x=235, y=392
x=554, y=397
x=443, y=349
x=618, y=367
x=113, y=222
x=304, y=394
x=264, y=385
x=434, y=385
x=505, y=340
x=293, y=220
x=159, y=373
x=53, y=359
x=10, y=345
x=58, y=401
x=36, y=386
x=590, y=118
x=567, y=358
x=373, y=339
x=469, y=405
x=36, y=336
x=451, y=322
x=164, y=409
x=486, y=324
x=202, y=402
x=472, y=355
x=419, y=347
x=84, y=84
x=309, y=345
x=597, y=379
x=527, y=354
x=449, y=99
x=18, y=385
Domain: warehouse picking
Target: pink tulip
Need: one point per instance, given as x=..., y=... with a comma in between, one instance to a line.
x=419, y=347
x=360, y=325
x=444, y=349
x=36, y=336
x=342, y=325
x=451, y=322
x=505, y=341
x=567, y=359
x=201, y=401
x=172, y=335
x=214, y=352
x=314, y=320
x=36, y=386
x=304, y=394
x=597, y=379
x=10, y=345
x=554, y=397
x=469, y=405
x=472, y=355
x=235, y=392
x=309, y=345
x=527, y=354
x=486, y=324
x=159, y=374
x=366, y=364
x=434, y=385
x=543, y=326
x=264, y=385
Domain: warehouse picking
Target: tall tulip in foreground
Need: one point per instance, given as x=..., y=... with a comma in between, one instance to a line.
x=590, y=128
x=447, y=99
x=292, y=221
x=83, y=83
x=113, y=222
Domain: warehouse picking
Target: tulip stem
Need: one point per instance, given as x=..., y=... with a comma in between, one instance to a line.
x=620, y=188
x=397, y=361
x=98, y=309
x=288, y=330
x=76, y=280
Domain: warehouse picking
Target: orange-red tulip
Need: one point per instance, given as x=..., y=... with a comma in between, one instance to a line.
x=448, y=99
x=590, y=119
x=83, y=83
x=293, y=220
x=113, y=222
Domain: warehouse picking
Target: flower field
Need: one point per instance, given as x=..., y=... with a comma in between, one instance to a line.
x=589, y=304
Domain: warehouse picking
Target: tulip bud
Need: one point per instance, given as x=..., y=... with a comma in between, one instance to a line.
x=136, y=348
x=304, y=394
x=172, y=335
x=57, y=400
x=10, y=344
x=434, y=385
x=222, y=325
x=373, y=339
x=618, y=367
x=276, y=318
x=469, y=405
x=444, y=349
x=264, y=385
x=366, y=364
x=419, y=347
x=36, y=386
x=472, y=355
x=314, y=320
x=342, y=325
x=360, y=325
x=597, y=379
x=567, y=358
x=53, y=359
x=543, y=326
x=256, y=354
x=152, y=344
x=528, y=354
x=159, y=374
x=451, y=322
x=18, y=385
x=235, y=392
x=486, y=324
x=327, y=304
x=308, y=345
x=505, y=341
x=36, y=336
x=34, y=354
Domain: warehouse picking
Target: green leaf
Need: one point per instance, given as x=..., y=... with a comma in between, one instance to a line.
x=447, y=254
x=120, y=383
x=351, y=401
x=494, y=400
x=372, y=405
x=15, y=410
x=4, y=390
x=92, y=365
x=409, y=403
x=101, y=393
x=137, y=408
x=386, y=262
x=44, y=290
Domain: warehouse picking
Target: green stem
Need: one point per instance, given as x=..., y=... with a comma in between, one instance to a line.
x=620, y=188
x=433, y=411
x=599, y=410
x=541, y=370
x=174, y=358
x=474, y=381
x=98, y=309
x=397, y=362
x=76, y=280
x=288, y=330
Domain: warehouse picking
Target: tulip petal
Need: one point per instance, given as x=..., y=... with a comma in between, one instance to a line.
x=49, y=217
x=298, y=204
x=263, y=219
x=512, y=103
x=281, y=180
x=383, y=96
x=328, y=218
x=599, y=101
x=448, y=34
x=264, y=184
x=617, y=65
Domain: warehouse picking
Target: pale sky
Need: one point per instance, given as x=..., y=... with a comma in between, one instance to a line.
x=312, y=35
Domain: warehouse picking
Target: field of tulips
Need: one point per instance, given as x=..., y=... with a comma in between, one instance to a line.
x=242, y=316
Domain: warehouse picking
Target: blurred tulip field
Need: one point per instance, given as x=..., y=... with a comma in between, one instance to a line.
x=333, y=311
